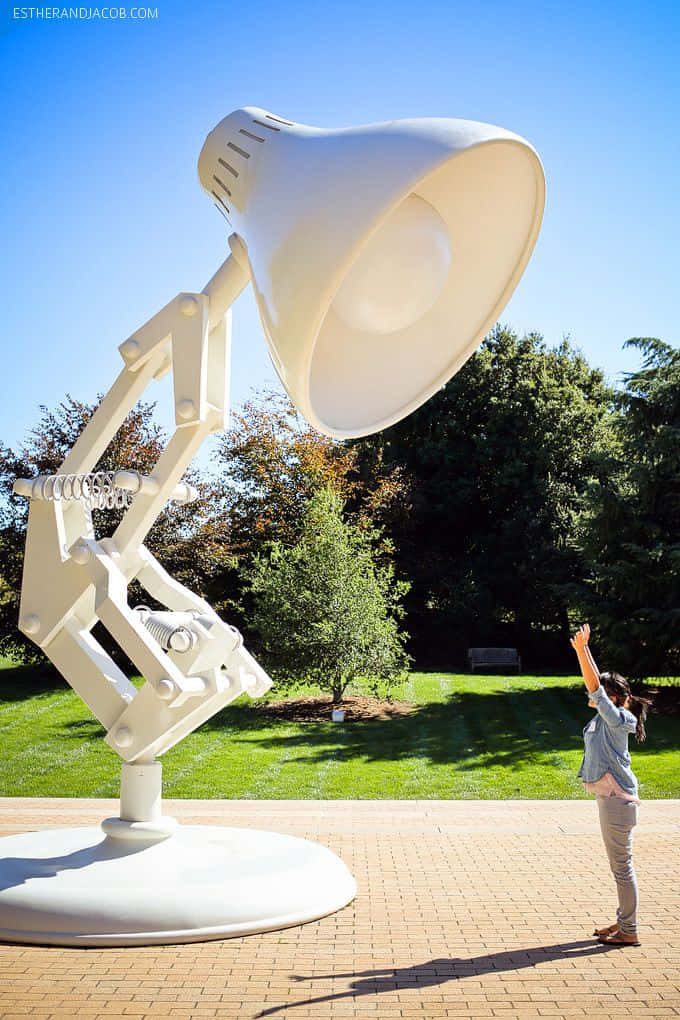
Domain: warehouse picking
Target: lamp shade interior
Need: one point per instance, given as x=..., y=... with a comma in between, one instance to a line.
x=424, y=287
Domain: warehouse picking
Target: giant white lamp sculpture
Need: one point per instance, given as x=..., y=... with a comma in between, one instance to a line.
x=380, y=256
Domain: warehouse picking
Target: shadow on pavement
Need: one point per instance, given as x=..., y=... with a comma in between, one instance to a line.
x=437, y=972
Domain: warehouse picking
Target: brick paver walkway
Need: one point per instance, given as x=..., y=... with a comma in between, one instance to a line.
x=465, y=909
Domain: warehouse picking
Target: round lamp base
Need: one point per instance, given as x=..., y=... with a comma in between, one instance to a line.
x=79, y=887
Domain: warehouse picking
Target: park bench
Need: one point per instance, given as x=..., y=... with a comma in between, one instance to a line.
x=493, y=657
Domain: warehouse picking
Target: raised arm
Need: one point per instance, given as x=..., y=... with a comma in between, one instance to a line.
x=589, y=670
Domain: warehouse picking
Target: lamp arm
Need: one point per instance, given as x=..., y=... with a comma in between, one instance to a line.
x=192, y=661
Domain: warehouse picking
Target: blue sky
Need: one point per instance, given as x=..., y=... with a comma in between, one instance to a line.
x=104, y=219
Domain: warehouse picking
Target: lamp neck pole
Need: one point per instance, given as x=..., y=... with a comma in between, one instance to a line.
x=231, y=278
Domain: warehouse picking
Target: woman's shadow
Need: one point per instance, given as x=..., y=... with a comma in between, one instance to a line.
x=436, y=972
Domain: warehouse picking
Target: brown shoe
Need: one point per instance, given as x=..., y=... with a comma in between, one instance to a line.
x=606, y=931
x=619, y=938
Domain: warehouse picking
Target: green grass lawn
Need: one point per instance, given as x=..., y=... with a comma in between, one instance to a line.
x=469, y=737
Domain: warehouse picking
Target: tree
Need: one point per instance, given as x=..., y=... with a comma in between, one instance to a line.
x=269, y=465
x=630, y=533
x=325, y=608
x=184, y=537
x=493, y=468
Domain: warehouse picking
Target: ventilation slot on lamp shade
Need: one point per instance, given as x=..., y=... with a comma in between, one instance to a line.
x=270, y=127
x=222, y=204
x=222, y=184
x=241, y=152
x=279, y=120
x=249, y=134
x=227, y=166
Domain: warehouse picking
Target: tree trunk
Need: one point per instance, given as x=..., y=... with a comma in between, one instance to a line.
x=338, y=691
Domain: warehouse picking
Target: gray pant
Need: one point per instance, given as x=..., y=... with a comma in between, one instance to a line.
x=618, y=817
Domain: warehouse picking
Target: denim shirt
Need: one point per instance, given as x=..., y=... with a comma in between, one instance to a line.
x=606, y=743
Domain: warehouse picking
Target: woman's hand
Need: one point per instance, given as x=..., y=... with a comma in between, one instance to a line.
x=579, y=642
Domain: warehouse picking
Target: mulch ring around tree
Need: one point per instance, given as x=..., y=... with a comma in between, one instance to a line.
x=318, y=709
x=666, y=701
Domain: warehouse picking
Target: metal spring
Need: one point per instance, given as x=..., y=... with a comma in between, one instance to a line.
x=169, y=636
x=96, y=490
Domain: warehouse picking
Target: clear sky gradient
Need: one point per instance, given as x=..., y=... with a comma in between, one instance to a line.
x=103, y=219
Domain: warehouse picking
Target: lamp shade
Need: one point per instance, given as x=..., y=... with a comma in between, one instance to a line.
x=380, y=255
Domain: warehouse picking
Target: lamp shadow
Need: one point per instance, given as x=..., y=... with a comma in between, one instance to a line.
x=439, y=971
x=15, y=871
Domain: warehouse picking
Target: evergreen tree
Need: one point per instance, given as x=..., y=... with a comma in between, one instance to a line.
x=631, y=530
x=325, y=608
x=493, y=469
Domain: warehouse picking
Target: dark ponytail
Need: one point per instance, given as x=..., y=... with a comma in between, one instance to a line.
x=639, y=708
x=618, y=687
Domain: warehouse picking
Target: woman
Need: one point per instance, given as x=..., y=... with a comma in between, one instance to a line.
x=606, y=772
